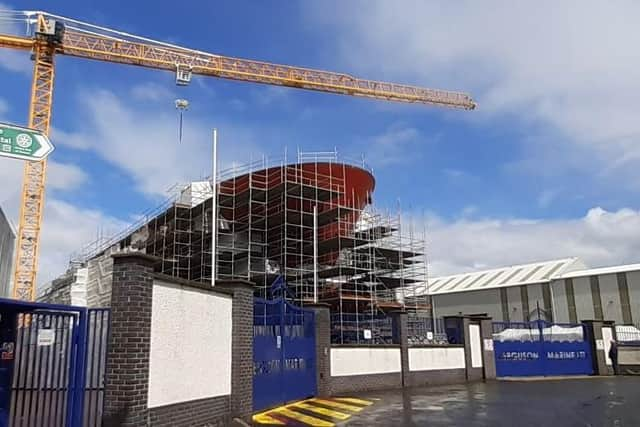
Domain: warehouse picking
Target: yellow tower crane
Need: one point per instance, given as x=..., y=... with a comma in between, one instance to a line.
x=50, y=35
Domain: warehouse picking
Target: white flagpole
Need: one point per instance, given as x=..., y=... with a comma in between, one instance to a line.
x=214, y=206
x=315, y=254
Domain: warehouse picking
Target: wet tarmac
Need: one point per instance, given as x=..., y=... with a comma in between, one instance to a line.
x=603, y=401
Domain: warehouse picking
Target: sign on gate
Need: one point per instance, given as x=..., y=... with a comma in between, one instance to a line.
x=541, y=349
x=284, y=353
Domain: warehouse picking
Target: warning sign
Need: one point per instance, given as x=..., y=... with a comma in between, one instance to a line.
x=46, y=337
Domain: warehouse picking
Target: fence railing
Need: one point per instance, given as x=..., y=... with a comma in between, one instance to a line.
x=423, y=330
x=538, y=330
x=628, y=334
x=361, y=329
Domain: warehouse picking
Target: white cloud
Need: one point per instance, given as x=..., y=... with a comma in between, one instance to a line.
x=397, y=144
x=144, y=142
x=599, y=238
x=65, y=176
x=65, y=229
x=570, y=66
x=151, y=91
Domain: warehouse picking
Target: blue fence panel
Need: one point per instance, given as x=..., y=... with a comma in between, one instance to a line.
x=541, y=349
x=283, y=353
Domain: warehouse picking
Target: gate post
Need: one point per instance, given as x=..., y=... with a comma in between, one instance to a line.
x=488, y=354
x=596, y=341
x=241, y=347
x=400, y=337
x=459, y=331
x=322, y=318
x=127, y=373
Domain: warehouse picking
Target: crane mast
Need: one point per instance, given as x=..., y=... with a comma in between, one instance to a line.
x=54, y=35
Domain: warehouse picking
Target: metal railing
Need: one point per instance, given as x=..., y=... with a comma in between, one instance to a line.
x=424, y=331
x=363, y=329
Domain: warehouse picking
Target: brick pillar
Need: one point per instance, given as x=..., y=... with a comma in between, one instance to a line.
x=241, y=347
x=400, y=337
x=488, y=354
x=594, y=334
x=323, y=347
x=127, y=375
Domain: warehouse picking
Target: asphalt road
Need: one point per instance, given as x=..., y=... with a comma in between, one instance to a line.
x=594, y=401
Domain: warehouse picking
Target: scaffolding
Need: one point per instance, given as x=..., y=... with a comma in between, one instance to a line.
x=310, y=221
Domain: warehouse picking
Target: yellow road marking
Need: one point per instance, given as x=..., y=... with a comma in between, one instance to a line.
x=338, y=405
x=323, y=411
x=266, y=419
x=312, y=421
x=353, y=400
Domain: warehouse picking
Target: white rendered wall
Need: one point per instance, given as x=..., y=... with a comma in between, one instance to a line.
x=607, y=336
x=364, y=361
x=190, y=345
x=476, y=346
x=429, y=359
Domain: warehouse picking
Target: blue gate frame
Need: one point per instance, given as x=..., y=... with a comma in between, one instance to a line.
x=284, y=353
x=44, y=377
x=540, y=354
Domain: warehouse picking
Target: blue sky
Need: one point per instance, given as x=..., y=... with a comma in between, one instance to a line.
x=548, y=162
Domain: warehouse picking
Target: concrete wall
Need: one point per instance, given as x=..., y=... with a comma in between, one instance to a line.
x=188, y=326
x=364, y=361
x=436, y=358
x=180, y=353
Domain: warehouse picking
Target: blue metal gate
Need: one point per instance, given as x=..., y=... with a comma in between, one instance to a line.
x=52, y=364
x=284, y=353
x=540, y=348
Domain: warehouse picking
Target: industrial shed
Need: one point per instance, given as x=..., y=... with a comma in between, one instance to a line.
x=561, y=290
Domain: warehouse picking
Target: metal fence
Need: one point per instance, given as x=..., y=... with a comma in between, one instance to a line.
x=48, y=367
x=538, y=330
x=361, y=329
x=423, y=330
x=628, y=334
x=97, y=339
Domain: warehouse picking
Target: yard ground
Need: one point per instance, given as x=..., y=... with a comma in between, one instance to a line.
x=590, y=401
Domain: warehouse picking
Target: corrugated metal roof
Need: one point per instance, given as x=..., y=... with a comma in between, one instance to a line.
x=603, y=270
x=525, y=274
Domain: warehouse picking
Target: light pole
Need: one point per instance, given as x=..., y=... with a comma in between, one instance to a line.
x=214, y=206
